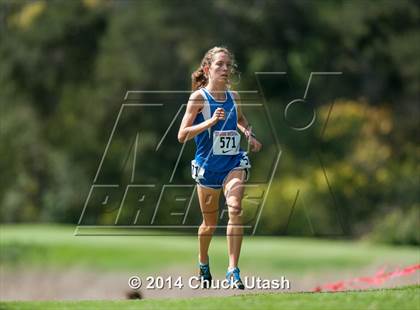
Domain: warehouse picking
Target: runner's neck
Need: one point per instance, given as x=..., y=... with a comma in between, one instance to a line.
x=217, y=91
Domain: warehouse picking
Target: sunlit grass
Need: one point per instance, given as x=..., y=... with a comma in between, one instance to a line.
x=402, y=298
x=55, y=245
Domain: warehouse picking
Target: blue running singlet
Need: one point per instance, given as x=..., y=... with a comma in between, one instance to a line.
x=218, y=148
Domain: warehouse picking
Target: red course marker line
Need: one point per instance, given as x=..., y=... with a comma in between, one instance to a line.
x=379, y=278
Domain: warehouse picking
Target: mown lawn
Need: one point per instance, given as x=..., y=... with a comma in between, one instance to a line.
x=56, y=246
x=401, y=298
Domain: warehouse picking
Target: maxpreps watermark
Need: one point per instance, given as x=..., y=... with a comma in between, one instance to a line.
x=194, y=282
x=128, y=204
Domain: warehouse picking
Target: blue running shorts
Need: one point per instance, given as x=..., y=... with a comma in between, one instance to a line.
x=215, y=180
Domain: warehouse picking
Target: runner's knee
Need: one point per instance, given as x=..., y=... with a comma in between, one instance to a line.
x=207, y=228
x=234, y=208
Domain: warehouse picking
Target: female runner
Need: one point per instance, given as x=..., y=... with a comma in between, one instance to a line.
x=212, y=117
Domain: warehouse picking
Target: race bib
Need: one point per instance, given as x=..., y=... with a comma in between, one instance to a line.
x=226, y=142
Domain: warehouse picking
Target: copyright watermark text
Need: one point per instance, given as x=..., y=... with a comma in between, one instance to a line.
x=194, y=282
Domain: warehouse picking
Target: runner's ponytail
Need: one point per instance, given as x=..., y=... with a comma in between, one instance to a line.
x=199, y=79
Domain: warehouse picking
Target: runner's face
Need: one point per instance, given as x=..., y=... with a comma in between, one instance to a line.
x=220, y=68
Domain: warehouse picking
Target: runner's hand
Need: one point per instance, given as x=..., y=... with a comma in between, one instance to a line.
x=254, y=144
x=218, y=115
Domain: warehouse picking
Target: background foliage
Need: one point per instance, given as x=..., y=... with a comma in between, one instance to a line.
x=65, y=67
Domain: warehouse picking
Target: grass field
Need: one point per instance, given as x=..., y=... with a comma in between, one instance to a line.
x=401, y=298
x=306, y=262
x=57, y=246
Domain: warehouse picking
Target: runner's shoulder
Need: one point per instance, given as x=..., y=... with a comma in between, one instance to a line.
x=196, y=99
x=196, y=95
x=235, y=95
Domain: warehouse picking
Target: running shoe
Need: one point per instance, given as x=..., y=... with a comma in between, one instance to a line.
x=205, y=275
x=234, y=278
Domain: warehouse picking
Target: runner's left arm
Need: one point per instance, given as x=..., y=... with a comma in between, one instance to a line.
x=245, y=126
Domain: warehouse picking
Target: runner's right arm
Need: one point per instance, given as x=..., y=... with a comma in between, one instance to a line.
x=187, y=131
